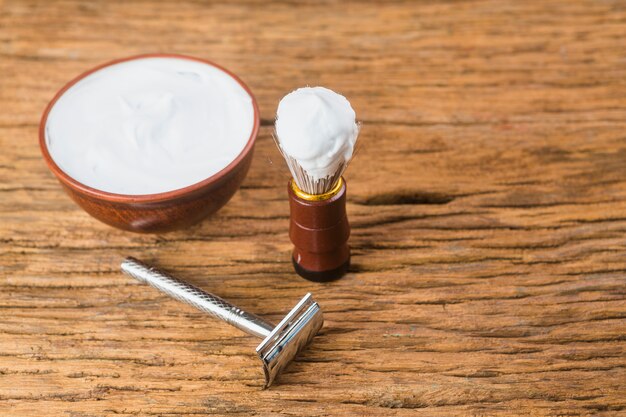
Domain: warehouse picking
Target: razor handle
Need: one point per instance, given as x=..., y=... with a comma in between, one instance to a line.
x=202, y=300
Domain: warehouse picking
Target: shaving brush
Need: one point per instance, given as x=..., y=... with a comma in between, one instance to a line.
x=316, y=132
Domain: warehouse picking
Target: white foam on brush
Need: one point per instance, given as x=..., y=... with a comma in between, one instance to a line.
x=149, y=125
x=317, y=127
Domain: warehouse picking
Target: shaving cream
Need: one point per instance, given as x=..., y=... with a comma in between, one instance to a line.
x=317, y=127
x=149, y=125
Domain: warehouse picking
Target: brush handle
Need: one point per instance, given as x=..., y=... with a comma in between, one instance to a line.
x=319, y=230
x=192, y=295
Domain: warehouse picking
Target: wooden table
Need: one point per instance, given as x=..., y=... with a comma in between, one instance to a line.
x=487, y=200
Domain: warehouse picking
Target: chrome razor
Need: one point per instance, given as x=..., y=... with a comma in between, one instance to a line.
x=280, y=343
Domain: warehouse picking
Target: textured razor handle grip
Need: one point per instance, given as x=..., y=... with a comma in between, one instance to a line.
x=194, y=296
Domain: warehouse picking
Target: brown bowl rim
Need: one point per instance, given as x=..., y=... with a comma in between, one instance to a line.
x=144, y=198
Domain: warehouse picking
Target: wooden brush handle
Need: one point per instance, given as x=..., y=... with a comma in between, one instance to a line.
x=319, y=231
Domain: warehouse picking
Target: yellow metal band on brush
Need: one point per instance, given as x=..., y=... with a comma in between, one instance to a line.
x=316, y=197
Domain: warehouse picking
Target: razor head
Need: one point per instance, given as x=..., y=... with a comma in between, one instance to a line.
x=289, y=337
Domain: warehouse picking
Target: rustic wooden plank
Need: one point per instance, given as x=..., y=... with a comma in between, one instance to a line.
x=487, y=200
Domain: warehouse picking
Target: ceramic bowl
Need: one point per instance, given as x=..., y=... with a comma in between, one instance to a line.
x=160, y=212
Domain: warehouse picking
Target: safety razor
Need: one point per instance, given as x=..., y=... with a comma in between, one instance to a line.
x=280, y=343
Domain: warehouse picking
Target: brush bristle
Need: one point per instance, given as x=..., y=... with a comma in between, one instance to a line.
x=307, y=182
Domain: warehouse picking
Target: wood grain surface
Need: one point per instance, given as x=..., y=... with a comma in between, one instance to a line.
x=487, y=203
